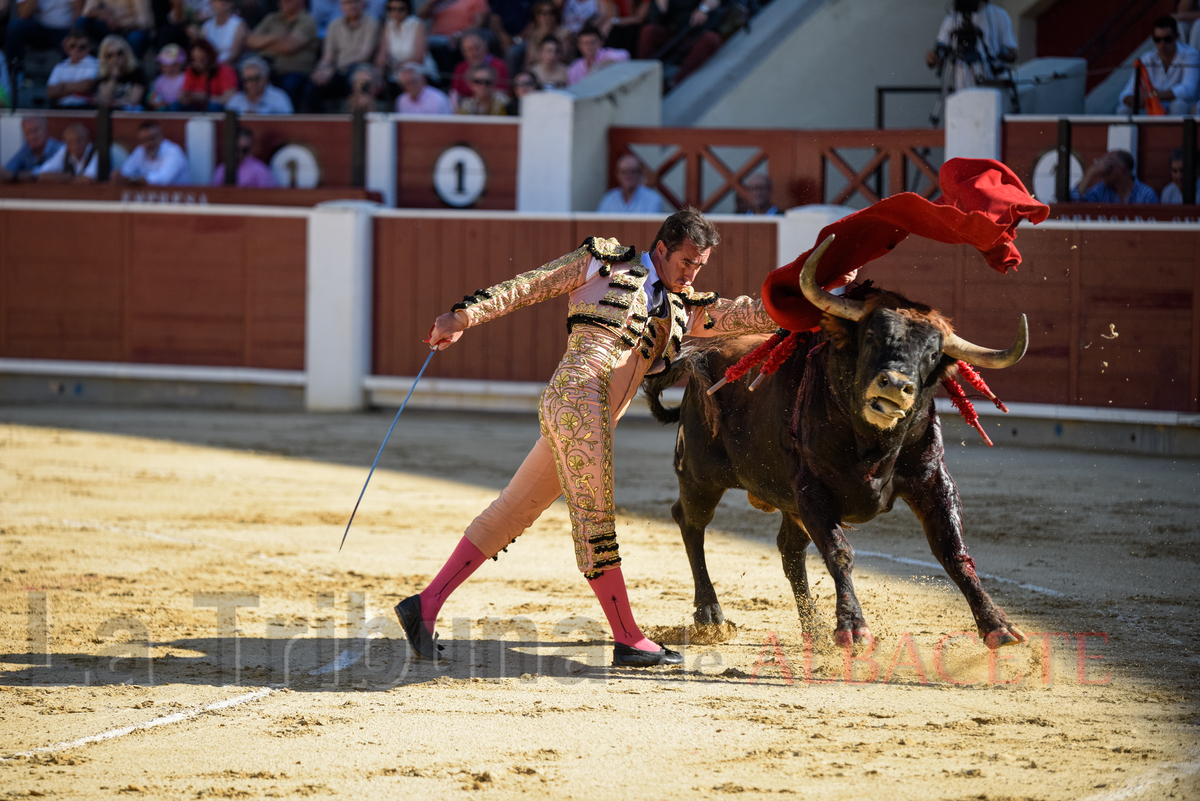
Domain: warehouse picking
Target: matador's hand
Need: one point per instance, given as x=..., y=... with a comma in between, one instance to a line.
x=446, y=330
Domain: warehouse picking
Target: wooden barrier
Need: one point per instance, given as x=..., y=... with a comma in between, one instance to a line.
x=419, y=143
x=795, y=161
x=222, y=195
x=1114, y=320
x=178, y=288
x=423, y=265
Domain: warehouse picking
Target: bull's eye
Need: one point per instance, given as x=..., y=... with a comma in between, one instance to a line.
x=883, y=382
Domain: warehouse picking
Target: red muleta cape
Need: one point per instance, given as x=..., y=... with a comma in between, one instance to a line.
x=981, y=204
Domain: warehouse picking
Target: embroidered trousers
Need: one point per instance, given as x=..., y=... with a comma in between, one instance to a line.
x=588, y=394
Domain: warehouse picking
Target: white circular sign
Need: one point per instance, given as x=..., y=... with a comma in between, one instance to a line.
x=295, y=167
x=459, y=176
x=1045, y=175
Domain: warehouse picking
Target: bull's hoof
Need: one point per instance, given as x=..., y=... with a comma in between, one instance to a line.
x=856, y=638
x=709, y=615
x=1004, y=636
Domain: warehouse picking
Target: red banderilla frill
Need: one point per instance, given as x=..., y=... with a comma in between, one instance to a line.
x=964, y=406
x=748, y=361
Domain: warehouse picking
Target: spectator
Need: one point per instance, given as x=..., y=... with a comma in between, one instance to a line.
x=403, y=38
x=121, y=81
x=549, y=69
x=485, y=99
x=631, y=196
x=73, y=81
x=508, y=19
x=132, y=19
x=545, y=25
x=155, y=161
x=207, y=85
x=38, y=148
x=418, y=97
x=364, y=91
x=592, y=56
x=167, y=86
x=1173, y=192
x=1173, y=70
x=578, y=13
x=759, y=187
x=475, y=54
x=251, y=172
x=225, y=31
x=257, y=95
x=523, y=85
x=622, y=22
x=183, y=21
x=351, y=40
x=37, y=23
x=449, y=20
x=995, y=45
x=668, y=19
x=288, y=38
x=76, y=161
x=1110, y=179
x=324, y=12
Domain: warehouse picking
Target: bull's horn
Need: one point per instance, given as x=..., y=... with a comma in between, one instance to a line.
x=958, y=348
x=827, y=301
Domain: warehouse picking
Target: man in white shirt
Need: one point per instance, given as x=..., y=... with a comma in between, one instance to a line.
x=155, y=161
x=630, y=196
x=1173, y=70
x=73, y=80
x=258, y=96
x=418, y=96
x=995, y=44
x=75, y=161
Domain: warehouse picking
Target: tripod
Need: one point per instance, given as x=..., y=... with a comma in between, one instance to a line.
x=963, y=66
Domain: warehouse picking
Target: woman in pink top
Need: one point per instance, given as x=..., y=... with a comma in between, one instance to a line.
x=592, y=56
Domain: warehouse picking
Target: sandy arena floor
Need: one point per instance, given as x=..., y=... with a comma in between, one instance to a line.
x=170, y=587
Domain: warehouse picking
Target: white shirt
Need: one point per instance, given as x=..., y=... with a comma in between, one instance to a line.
x=66, y=72
x=273, y=101
x=644, y=201
x=221, y=36
x=88, y=165
x=54, y=13
x=169, y=167
x=1182, y=77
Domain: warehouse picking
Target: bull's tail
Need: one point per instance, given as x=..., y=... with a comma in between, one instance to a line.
x=653, y=386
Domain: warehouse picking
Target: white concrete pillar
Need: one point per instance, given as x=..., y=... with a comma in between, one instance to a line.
x=973, y=124
x=544, y=152
x=201, y=147
x=381, y=156
x=799, y=227
x=337, y=331
x=11, y=137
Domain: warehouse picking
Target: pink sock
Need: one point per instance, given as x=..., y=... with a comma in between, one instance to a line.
x=610, y=591
x=465, y=560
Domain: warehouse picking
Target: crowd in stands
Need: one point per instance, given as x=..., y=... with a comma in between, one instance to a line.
x=280, y=56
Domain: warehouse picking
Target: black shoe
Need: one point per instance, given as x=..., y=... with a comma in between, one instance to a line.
x=628, y=656
x=422, y=642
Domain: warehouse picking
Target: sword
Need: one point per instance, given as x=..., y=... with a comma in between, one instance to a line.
x=385, y=442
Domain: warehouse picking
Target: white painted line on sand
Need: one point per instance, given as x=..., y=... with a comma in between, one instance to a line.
x=904, y=560
x=150, y=724
x=1140, y=784
x=344, y=660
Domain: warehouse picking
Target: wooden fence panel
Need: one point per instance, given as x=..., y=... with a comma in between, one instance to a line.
x=423, y=266
x=419, y=144
x=153, y=288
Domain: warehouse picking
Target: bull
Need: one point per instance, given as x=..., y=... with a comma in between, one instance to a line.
x=845, y=427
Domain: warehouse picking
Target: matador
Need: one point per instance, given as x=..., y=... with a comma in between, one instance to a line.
x=628, y=313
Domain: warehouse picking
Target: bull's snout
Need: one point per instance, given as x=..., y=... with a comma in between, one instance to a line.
x=889, y=397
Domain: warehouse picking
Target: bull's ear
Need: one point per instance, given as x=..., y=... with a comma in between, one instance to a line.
x=838, y=330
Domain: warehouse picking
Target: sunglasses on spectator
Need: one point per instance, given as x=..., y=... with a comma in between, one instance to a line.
x=77, y=46
x=482, y=81
x=253, y=77
x=524, y=84
x=1162, y=39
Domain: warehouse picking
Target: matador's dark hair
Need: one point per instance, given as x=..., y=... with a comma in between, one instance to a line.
x=686, y=225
